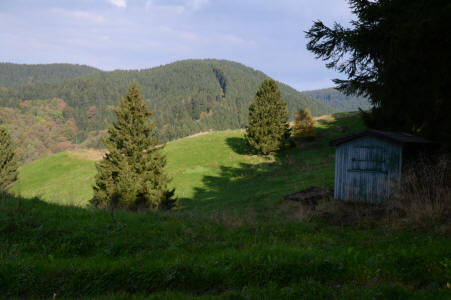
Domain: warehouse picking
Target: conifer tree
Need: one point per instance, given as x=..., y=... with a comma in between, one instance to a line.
x=131, y=174
x=304, y=125
x=396, y=53
x=268, y=127
x=8, y=160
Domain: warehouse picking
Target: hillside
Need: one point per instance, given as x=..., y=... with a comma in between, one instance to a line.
x=209, y=169
x=185, y=97
x=39, y=128
x=338, y=100
x=15, y=75
x=234, y=236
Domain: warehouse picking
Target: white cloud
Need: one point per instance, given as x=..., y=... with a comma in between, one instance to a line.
x=163, y=9
x=196, y=4
x=177, y=7
x=80, y=14
x=88, y=16
x=118, y=3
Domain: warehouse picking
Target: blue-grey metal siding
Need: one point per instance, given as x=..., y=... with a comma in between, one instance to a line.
x=366, y=169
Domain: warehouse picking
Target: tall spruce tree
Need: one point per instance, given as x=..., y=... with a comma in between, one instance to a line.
x=397, y=53
x=131, y=174
x=8, y=160
x=268, y=128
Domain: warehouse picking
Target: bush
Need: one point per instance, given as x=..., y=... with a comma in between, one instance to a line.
x=8, y=160
x=304, y=125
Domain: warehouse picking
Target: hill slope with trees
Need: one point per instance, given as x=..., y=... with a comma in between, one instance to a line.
x=185, y=97
x=339, y=100
x=14, y=75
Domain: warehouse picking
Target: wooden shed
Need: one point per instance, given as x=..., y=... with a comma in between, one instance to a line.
x=369, y=164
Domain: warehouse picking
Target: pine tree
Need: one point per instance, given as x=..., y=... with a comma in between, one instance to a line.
x=131, y=175
x=8, y=160
x=304, y=125
x=396, y=53
x=268, y=127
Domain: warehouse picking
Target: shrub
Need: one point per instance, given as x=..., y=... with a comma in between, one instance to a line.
x=8, y=160
x=304, y=125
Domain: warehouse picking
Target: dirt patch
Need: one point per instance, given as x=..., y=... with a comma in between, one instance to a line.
x=89, y=154
x=294, y=210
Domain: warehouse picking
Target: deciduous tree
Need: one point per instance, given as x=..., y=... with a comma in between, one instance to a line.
x=304, y=125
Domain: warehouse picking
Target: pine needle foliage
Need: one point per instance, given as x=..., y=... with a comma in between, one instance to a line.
x=397, y=54
x=304, y=125
x=8, y=160
x=131, y=174
x=268, y=128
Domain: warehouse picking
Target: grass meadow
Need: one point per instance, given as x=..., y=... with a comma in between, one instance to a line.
x=212, y=170
x=229, y=239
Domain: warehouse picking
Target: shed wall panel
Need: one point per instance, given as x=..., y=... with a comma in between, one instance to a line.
x=366, y=169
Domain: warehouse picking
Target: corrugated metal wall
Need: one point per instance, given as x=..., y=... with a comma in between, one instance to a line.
x=366, y=169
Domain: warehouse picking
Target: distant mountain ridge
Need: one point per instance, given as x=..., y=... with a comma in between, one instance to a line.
x=338, y=100
x=185, y=97
x=15, y=75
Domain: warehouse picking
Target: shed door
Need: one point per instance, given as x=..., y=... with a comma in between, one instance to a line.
x=368, y=174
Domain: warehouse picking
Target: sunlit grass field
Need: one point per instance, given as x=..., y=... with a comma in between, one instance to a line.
x=211, y=170
x=60, y=178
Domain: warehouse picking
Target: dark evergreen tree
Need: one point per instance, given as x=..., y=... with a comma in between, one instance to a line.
x=268, y=128
x=8, y=160
x=131, y=175
x=397, y=53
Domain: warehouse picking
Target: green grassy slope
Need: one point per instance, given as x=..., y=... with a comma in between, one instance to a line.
x=55, y=251
x=211, y=170
x=231, y=239
x=59, y=178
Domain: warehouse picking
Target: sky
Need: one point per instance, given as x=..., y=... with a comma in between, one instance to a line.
x=267, y=35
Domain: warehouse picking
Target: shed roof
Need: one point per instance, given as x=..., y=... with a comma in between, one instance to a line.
x=398, y=138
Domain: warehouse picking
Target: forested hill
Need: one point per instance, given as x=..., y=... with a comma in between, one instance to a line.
x=185, y=97
x=14, y=75
x=338, y=100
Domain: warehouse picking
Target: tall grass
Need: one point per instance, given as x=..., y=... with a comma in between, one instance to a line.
x=48, y=250
x=424, y=196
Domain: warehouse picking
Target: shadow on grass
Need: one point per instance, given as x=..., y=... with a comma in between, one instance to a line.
x=239, y=145
x=263, y=185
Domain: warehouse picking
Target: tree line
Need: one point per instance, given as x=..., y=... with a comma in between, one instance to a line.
x=186, y=97
x=131, y=174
